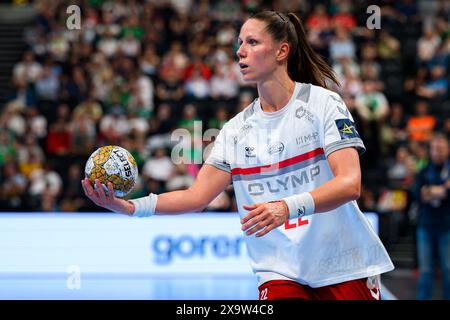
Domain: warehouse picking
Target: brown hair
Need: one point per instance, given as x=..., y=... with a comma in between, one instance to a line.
x=304, y=64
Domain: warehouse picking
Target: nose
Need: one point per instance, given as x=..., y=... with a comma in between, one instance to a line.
x=240, y=52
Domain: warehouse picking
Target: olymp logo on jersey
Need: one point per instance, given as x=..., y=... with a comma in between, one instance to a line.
x=291, y=181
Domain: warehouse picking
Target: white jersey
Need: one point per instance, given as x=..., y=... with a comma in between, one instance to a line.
x=278, y=154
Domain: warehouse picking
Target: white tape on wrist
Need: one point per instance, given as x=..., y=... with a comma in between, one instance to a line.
x=300, y=205
x=145, y=206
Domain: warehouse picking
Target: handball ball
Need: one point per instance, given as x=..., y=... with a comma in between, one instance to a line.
x=114, y=164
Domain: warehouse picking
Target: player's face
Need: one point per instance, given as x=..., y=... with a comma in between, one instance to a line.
x=257, y=51
x=439, y=150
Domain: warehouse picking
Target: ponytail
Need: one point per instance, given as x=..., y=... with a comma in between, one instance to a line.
x=304, y=64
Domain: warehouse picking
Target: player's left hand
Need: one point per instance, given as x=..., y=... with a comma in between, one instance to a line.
x=264, y=216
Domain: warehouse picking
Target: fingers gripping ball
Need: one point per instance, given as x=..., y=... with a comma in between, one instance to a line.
x=113, y=164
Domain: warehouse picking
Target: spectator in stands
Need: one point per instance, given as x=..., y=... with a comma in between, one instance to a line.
x=102, y=76
x=408, y=11
x=226, y=35
x=48, y=202
x=437, y=86
x=197, y=87
x=224, y=84
x=372, y=108
x=432, y=190
x=84, y=136
x=59, y=45
x=44, y=182
x=140, y=95
x=48, y=84
x=351, y=82
x=7, y=148
x=114, y=126
x=75, y=86
x=419, y=151
x=71, y=182
x=221, y=117
x=189, y=118
x=129, y=45
x=89, y=107
x=441, y=57
x=163, y=122
x=342, y=45
x=29, y=154
x=160, y=128
x=344, y=17
x=28, y=69
x=372, y=105
x=108, y=44
x=108, y=24
x=13, y=188
x=427, y=45
x=149, y=62
x=191, y=122
x=394, y=128
x=318, y=20
x=11, y=119
x=159, y=167
x=400, y=172
x=36, y=123
x=388, y=46
x=345, y=66
x=370, y=68
x=24, y=94
x=59, y=139
x=181, y=180
x=420, y=126
x=174, y=62
x=170, y=89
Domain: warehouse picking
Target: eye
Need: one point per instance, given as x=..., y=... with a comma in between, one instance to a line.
x=252, y=42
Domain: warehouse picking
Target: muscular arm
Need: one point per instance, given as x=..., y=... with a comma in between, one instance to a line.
x=346, y=184
x=210, y=182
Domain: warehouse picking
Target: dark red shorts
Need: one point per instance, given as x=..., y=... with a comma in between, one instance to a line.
x=360, y=289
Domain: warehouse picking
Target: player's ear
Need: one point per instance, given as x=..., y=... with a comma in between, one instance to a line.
x=283, y=51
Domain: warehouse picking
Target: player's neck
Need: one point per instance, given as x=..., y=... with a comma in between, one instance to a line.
x=275, y=92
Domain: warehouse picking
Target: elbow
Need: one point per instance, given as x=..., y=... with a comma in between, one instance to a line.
x=355, y=191
x=351, y=188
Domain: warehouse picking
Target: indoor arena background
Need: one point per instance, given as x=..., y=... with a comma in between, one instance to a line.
x=76, y=75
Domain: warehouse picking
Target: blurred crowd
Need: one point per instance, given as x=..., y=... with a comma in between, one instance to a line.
x=138, y=70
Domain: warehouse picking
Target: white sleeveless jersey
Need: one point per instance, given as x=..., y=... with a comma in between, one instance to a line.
x=279, y=154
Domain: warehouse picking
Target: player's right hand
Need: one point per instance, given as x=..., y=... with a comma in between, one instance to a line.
x=108, y=201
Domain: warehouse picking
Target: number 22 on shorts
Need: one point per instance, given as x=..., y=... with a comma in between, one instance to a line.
x=300, y=222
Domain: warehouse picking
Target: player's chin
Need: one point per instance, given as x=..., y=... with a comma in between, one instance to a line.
x=249, y=78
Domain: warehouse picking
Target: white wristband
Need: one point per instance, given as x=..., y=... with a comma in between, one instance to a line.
x=145, y=206
x=300, y=205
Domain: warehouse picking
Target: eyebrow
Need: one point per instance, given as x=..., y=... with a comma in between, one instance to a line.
x=246, y=38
